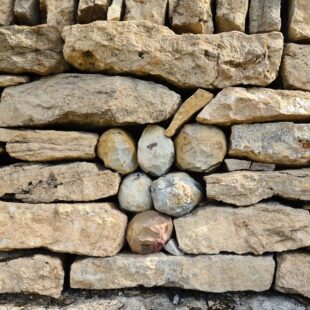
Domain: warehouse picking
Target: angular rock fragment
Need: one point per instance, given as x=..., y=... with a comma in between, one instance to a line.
x=172, y=248
x=255, y=166
x=115, y=10
x=92, y=10
x=187, y=61
x=95, y=229
x=265, y=227
x=224, y=272
x=79, y=181
x=27, y=12
x=90, y=100
x=6, y=12
x=243, y=188
x=232, y=164
x=13, y=80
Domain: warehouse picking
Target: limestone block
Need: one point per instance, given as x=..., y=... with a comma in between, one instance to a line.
x=13, y=80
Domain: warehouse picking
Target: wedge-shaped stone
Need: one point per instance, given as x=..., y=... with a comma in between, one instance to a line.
x=90, y=100
x=27, y=12
x=265, y=227
x=38, y=274
x=47, y=145
x=13, y=80
x=6, y=12
x=91, y=10
x=95, y=229
x=35, y=49
x=237, y=105
x=276, y=143
x=188, y=61
x=79, y=181
x=218, y=273
x=243, y=188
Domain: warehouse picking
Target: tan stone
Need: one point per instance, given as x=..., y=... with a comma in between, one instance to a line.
x=296, y=66
x=265, y=227
x=47, y=145
x=293, y=273
x=279, y=143
x=115, y=10
x=255, y=166
x=187, y=61
x=216, y=273
x=243, y=188
x=307, y=207
x=2, y=149
x=95, y=229
x=171, y=7
x=27, y=12
x=189, y=107
x=148, y=232
x=79, y=181
x=13, y=80
x=90, y=100
x=6, y=12
x=38, y=274
x=92, y=10
x=236, y=105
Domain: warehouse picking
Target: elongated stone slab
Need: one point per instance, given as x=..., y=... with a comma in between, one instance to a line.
x=265, y=227
x=94, y=229
x=218, y=273
x=38, y=274
x=90, y=100
x=237, y=105
x=276, y=143
x=35, y=49
x=48, y=145
x=187, y=61
x=79, y=181
x=243, y=188
x=13, y=80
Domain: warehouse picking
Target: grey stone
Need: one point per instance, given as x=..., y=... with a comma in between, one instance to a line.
x=172, y=248
x=92, y=10
x=27, y=12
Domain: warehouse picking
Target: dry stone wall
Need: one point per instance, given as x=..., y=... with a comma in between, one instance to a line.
x=158, y=143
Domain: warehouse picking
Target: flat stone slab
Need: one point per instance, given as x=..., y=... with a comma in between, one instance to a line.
x=12, y=80
x=187, y=61
x=233, y=164
x=94, y=229
x=88, y=100
x=265, y=227
x=216, y=274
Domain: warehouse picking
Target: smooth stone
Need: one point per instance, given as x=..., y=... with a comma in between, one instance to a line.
x=92, y=10
x=176, y=194
x=148, y=232
x=232, y=164
x=264, y=227
x=13, y=80
x=27, y=12
x=172, y=248
x=255, y=166
x=6, y=12
x=115, y=10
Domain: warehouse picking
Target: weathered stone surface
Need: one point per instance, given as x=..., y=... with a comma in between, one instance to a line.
x=79, y=181
x=135, y=193
x=231, y=15
x=176, y=193
x=296, y=66
x=6, y=12
x=235, y=105
x=13, y=80
x=38, y=274
x=151, y=10
x=280, y=143
x=171, y=7
x=95, y=229
x=118, y=151
x=27, y=12
x=193, y=16
x=189, y=107
x=115, y=10
x=229, y=58
x=265, y=227
x=155, y=151
x=225, y=272
x=86, y=100
x=92, y=10
x=255, y=166
x=232, y=164
x=244, y=188
x=293, y=273
x=47, y=145
x=148, y=232
x=172, y=248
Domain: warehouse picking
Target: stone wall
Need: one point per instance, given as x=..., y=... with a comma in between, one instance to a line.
x=155, y=143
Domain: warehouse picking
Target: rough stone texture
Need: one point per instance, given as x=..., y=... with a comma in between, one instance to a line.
x=279, y=143
x=176, y=193
x=235, y=105
x=293, y=273
x=151, y=10
x=118, y=151
x=6, y=12
x=86, y=100
x=148, y=232
x=296, y=66
x=225, y=272
x=94, y=229
x=172, y=248
x=244, y=188
x=115, y=10
x=13, y=80
x=229, y=58
x=255, y=166
x=194, y=16
x=79, y=181
x=135, y=193
x=155, y=151
x=189, y=107
x=232, y=164
x=27, y=12
x=92, y=10
x=39, y=274
x=48, y=145
x=171, y=7
x=231, y=15
x=265, y=227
